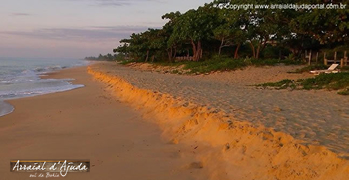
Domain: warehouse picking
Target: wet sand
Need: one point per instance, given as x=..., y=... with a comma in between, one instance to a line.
x=89, y=123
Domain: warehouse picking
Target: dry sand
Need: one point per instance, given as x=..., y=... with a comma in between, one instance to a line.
x=317, y=117
x=88, y=123
x=232, y=142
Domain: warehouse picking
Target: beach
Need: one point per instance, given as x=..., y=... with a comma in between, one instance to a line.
x=133, y=123
x=88, y=123
x=244, y=132
x=316, y=116
x=174, y=90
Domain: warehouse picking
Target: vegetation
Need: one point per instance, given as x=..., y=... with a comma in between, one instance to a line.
x=107, y=57
x=211, y=38
x=310, y=68
x=226, y=64
x=317, y=67
x=284, y=84
x=204, y=33
x=216, y=63
x=335, y=81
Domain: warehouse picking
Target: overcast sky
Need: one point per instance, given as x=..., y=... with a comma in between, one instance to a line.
x=78, y=28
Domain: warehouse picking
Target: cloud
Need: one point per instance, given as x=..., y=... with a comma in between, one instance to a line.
x=113, y=2
x=20, y=14
x=122, y=2
x=93, y=33
x=117, y=2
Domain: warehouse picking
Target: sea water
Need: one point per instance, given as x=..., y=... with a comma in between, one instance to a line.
x=20, y=77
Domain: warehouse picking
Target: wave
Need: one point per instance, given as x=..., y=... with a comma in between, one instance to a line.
x=12, y=91
x=5, y=108
x=21, y=78
x=48, y=69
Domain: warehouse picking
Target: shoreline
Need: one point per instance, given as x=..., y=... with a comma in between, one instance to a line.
x=5, y=108
x=88, y=123
x=47, y=75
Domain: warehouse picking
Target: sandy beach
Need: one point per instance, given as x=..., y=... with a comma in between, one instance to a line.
x=136, y=124
x=174, y=90
x=317, y=117
x=246, y=133
x=88, y=123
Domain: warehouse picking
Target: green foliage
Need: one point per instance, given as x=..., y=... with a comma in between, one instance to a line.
x=222, y=63
x=215, y=64
x=284, y=84
x=258, y=34
x=317, y=67
x=326, y=26
x=107, y=57
x=273, y=62
x=335, y=81
x=125, y=62
x=310, y=68
x=344, y=92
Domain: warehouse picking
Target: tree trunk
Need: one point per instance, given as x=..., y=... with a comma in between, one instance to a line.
x=220, y=47
x=146, y=59
x=236, y=54
x=169, y=54
x=261, y=47
x=253, y=49
x=199, y=51
x=152, y=58
x=257, y=52
x=194, y=50
x=280, y=55
x=174, y=53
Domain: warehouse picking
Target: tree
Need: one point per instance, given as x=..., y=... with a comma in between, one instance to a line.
x=154, y=41
x=122, y=50
x=262, y=26
x=229, y=31
x=194, y=26
x=212, y=29
x=166, y=34
x=326, y=26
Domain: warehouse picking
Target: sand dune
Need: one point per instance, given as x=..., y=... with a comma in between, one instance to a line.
x=225, y=146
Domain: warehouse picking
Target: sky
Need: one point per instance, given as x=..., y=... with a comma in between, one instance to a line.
x=78, y=28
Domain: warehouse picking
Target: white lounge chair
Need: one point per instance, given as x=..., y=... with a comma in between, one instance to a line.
x=331, y=69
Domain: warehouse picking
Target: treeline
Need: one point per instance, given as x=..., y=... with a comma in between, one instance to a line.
x=107, y=57
x=255, y=33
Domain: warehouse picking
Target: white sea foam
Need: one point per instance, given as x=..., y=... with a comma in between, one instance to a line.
x=21, y=78
x=5, y=108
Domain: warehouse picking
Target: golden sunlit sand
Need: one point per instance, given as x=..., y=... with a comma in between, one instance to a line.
x=227, y=148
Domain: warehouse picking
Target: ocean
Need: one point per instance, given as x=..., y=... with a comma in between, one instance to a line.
x=20, y=77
